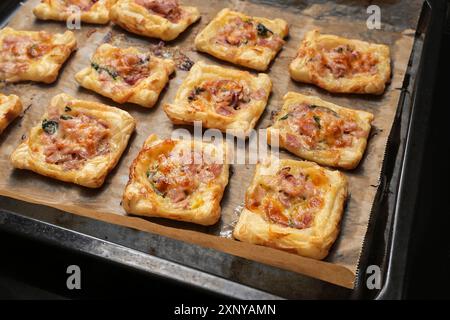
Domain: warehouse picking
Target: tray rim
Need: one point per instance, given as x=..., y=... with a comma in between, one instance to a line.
x=17, y=5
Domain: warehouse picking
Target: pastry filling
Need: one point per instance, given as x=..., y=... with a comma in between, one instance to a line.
x=73, y=137
x=168, y=9
x=84, y=5
x=291, y=198
x=126, y=68
x=343, y=61
x=178, y=178
x=17, y=51
x=3, y=100
x=238, y=32
x=226, y=96
x=315, y=127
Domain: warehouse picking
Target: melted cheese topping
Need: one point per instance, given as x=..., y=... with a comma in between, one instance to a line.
x=3, y=99
x=341, y=61
x=238, y=32
x=125, y=68
x=178, y=174
x=168, y=9
x=18, y=51
x=225, y=97
x=290, y=198
x=318, y=128
x=84, y=5
x=73, y=137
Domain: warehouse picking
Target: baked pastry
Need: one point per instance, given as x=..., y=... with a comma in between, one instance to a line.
x=76, y=141
x=221, y=98
x=10, y=108
x=295, y=206
x=240, y=39
x=320, y=131
x=33, y=55
x=175, y=180
x=91, y=11
x=126, y=75
x=162, y=19
x=342, y=65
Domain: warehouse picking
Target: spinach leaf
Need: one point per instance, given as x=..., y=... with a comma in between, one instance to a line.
x=317, y=120
x=263, y=30
x=50, y=126
x=113, y=74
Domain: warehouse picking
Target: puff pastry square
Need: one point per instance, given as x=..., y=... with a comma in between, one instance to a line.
x=294, y=206
x=162, y=19
x=10, y=108
x=91, y=11
x=126, y=75
x=33, y=55
x=76, y=141
x=320, y=131
x=177, y=179
x=342, y=65
x=240, y=39
x=221, y=98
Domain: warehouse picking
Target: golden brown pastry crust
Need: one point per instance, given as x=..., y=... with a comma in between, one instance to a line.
x=145, y=92
x=256, y=57
x=44, y=68
x=141, y=198
x=10, y=108
x=137, y=19
x=58, y=10
x=313, y=240
x=368, y=74
x=346, y=156
x=30, y=154
x=242, y=121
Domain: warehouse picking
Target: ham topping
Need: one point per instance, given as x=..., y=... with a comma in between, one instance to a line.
x=177, y=180
x=227, y=96
x=238, y=32
x=168, y=9
x=290, y=199
x=343, y=61
x=72, y=138
x=315, y=127
x=17, y=50
x=84, y=5
x=132, y=68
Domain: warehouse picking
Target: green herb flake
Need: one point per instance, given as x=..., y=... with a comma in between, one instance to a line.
x=317, y=120
x=66, y=117
x=50, y=126
x=194, y=93
x=67, y=109
x=285, y=116
x=113, y=74
x=95, y=66
x=263, y=31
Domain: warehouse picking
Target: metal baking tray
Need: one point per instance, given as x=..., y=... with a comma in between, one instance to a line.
x=387, y=239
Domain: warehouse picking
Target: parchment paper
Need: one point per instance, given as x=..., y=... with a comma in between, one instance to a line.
x=346, y=19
